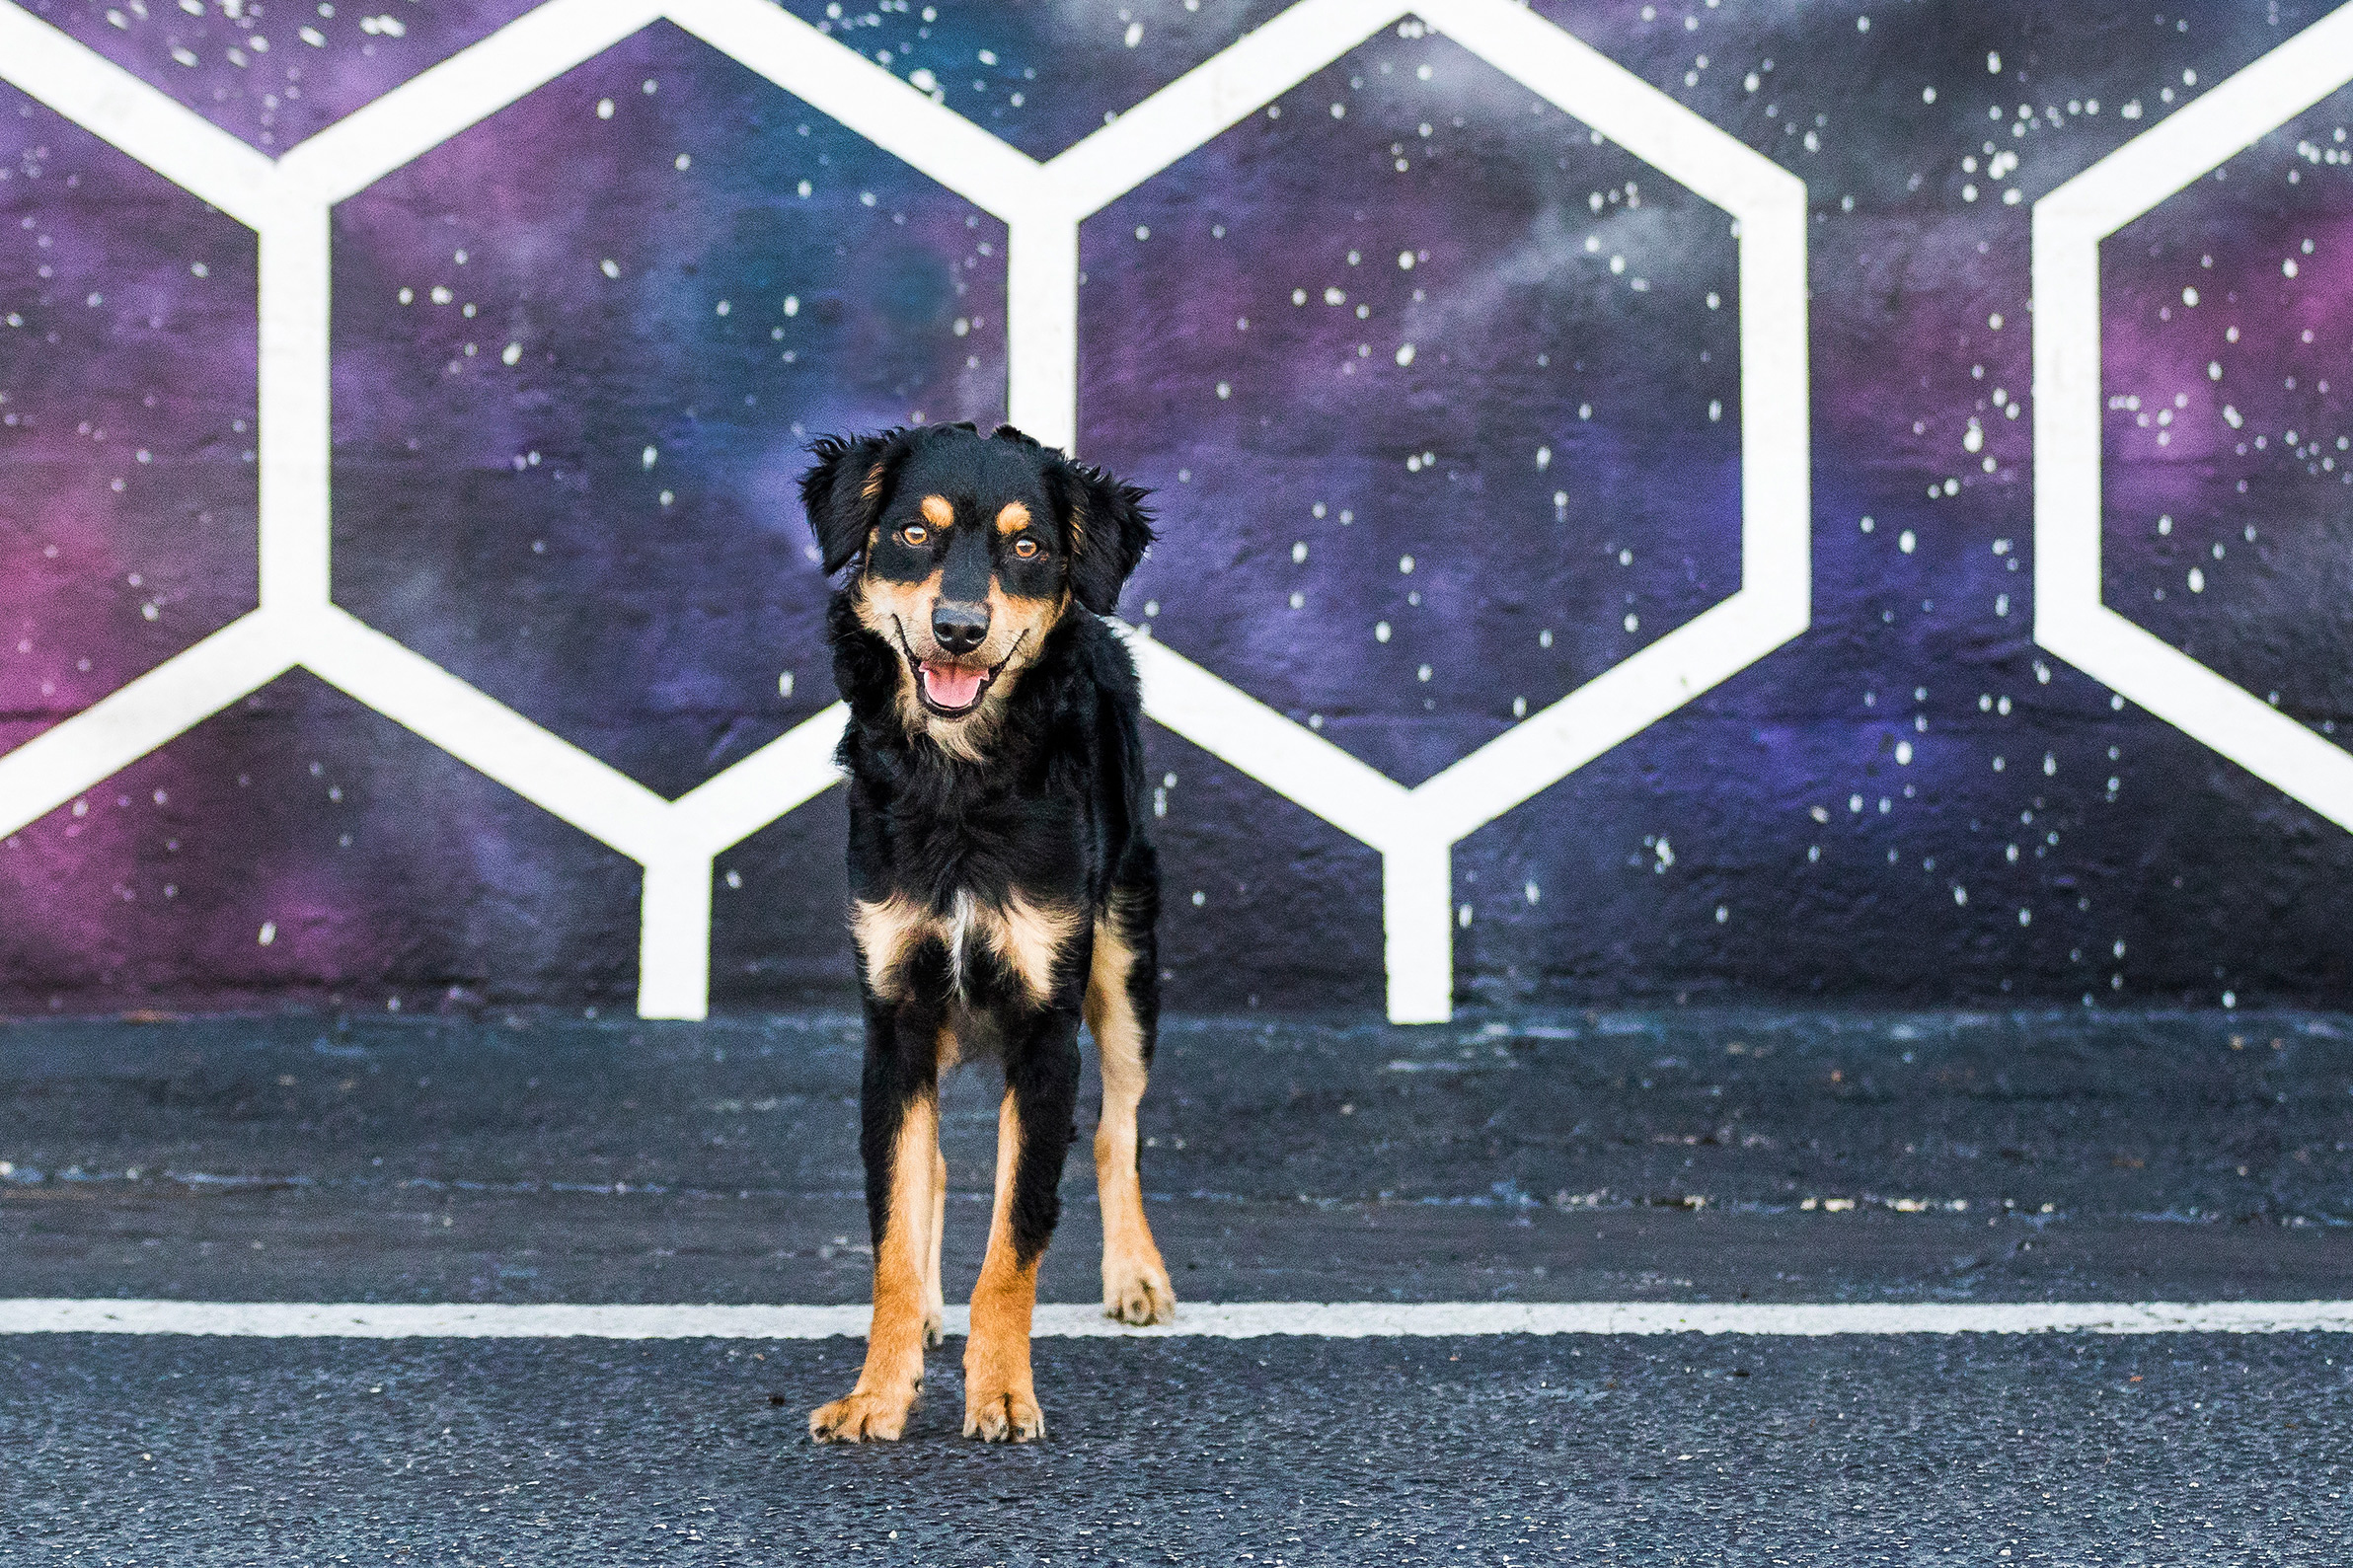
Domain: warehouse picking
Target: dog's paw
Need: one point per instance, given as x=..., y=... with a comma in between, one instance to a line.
x=1138, y=1292
x=935, y=1326
x=1006, y=1416
x=862, y=1417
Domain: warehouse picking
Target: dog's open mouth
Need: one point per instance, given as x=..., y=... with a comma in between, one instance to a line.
x=951, y=687
x=952, y=690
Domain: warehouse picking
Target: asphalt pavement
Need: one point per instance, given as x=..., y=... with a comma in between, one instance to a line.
x=1725, y=1157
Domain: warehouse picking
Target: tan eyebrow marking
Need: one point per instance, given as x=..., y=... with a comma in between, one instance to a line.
x=938, y=512
x=1014, y=518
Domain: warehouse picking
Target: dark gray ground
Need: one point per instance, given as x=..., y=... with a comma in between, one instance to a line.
x=2202, y=1451
x=1563, y=1158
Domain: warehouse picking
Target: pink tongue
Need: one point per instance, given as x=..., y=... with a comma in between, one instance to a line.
x=950, y=685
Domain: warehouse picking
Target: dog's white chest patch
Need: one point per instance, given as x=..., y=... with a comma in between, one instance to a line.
x=958, y=932
x=975, y=935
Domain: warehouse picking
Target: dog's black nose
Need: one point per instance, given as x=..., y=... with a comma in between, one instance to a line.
x=959, y=628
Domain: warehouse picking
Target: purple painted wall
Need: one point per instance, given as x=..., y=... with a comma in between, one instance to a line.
x=1909, y=802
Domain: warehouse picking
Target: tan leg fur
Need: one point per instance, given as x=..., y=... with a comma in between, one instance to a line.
x=893, y=1373
x=1000, y=1399
x=935, y=1303
x=1136, y=1288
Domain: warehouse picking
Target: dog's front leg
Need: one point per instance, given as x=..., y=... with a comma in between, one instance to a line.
x=899, y=1109
x=1034, y=1134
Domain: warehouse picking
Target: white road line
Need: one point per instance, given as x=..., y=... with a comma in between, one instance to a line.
x=1205, y=1319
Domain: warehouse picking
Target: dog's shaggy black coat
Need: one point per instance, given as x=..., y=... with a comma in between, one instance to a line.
x=1021, y=814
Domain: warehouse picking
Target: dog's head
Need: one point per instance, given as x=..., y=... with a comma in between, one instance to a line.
x=971, y=550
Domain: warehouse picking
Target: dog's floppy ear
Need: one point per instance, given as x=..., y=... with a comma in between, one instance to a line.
x=845, y=490
x=1106, y=528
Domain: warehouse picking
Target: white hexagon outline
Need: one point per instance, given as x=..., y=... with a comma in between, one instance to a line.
x=2071, y=618
x=287, y=203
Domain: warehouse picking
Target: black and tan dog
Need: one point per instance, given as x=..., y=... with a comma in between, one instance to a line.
x=1003, y=888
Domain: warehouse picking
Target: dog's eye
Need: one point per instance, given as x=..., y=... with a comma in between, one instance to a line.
x=915, y=533
x=1024, y=547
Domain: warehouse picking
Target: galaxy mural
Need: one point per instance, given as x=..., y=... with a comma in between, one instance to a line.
x=1439, y=394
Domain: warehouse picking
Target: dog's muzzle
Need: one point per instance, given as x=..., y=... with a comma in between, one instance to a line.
x=947, y=688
